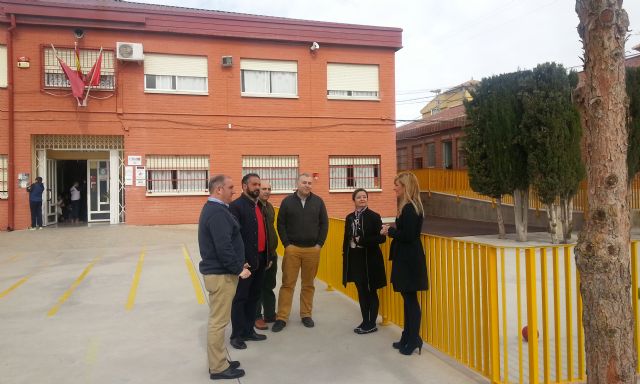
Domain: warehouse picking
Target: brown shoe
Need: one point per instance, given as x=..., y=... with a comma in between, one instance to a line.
x=261, y=325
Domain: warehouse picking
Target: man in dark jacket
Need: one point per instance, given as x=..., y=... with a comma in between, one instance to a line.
x=222, y=252
x=302, y=225
x=254, y=235
x=35, y=203
x=267, y=299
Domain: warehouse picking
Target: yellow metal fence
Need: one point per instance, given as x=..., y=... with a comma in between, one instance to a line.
x=480, y=298
x=456, y=182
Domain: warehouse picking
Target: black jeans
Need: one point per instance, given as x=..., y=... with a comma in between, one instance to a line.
x=243, y=307
x=412, y=317
x=369, y=304
x=36, y=213
x=267, y=299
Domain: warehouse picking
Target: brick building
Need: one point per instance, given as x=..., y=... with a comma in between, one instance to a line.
x=184, y=94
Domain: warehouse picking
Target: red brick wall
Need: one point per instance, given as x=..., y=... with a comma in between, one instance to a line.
x=310, y=126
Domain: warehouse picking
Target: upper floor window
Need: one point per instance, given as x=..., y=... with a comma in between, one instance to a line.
x=351, y=172
x=3, y=66
x=4, y=180
x=177, y=174
x=352, y=81
x=269, y=78
x=54, y=77
x=175, y=74
x=280, y=171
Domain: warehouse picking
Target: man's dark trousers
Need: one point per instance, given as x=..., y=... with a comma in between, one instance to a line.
x=267, y=298
x=245, y=302
x=36, y=213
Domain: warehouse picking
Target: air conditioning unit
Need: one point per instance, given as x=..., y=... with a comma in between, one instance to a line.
x=129, y=51
x=227, y=61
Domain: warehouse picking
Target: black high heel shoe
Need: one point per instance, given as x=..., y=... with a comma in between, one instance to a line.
x=397, y=345
x=409, y=348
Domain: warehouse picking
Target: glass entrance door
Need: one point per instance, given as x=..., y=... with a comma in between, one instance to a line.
x=98, y=190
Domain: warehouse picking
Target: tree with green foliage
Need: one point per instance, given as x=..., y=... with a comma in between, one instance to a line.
x=552, y=131
x=496, y=156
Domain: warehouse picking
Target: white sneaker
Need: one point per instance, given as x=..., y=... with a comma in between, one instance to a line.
x=40, y=227
x=32, y=228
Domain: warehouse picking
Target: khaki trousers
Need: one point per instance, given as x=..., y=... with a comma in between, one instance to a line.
x=298, y=259
x=221, y=290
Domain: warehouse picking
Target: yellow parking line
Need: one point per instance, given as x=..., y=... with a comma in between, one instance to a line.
x=14, y=286
x=192, y=273
x=69, y=291
x=134, y=285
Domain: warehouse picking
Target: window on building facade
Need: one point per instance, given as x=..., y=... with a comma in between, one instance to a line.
x=280, y=171
x=177, y=174
x=4, y=179
x=417, y=157
x=401, y=155
x=3, y=66
x=351, y=172
x=269, y=78
x=54, y=77
x=352, y=81
x=175, y=74
x=431, y=155
x=447, y=155
x=462, y=154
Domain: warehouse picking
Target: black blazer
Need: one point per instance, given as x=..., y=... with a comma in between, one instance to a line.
x=409, y=266
x=244, y=209
x=370, y=240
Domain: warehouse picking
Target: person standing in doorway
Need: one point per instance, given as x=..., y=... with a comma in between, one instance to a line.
x=75, y=202
x=408, y=263
x=267, y=299
x=302, y=225
x=222, y=252
x=35, y=203
x=254, y=234
x=362, y=261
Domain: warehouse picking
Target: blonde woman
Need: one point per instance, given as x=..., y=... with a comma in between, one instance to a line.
x=408, y=269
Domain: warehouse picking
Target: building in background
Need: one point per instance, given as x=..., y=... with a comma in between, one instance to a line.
x=184, y=94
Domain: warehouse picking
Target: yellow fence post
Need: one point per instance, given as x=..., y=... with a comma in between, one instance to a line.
x=494, y=338
x=532, y=314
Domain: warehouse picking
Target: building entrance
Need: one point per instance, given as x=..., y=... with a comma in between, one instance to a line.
x=70, y=172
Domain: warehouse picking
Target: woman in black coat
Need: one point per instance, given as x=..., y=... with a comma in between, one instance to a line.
x=409, y=268
x=362, y=261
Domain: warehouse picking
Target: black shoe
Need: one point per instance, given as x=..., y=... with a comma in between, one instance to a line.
x=229, y=373
x=409, y=348
x=254, y=337
x=278, y=326
x=237, y=343
x=358, y=328
x=307, y=322
x=233, y=364
x=365, y=330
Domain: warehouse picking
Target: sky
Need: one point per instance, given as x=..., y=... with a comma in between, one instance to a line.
x=446, y=43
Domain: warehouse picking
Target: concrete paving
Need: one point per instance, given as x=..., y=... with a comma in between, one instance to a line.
x=117, y=304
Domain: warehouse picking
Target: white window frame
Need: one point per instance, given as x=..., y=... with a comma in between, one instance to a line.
x=4, y=177
x=271, y=68
x=267, y=167
x=178, y=68
x=353, y=81
x=365, y=173
x=173, y=171
x=4, y=67
x=54, y=78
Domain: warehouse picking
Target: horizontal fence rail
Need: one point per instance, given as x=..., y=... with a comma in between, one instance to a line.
x=482, y=297
x=456, y=182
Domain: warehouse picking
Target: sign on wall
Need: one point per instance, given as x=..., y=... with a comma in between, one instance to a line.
x=134, y=160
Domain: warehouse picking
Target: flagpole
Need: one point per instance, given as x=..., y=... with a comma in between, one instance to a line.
x=93, y=74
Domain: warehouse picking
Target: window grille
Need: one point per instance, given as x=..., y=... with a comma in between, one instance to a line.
x=401, y=155
x=352, y=81
x=431, y=155
x=4, y=179
x=269, y=77
x=351, y=172
x=54, y=76
x=177, y=174
x=280, y=171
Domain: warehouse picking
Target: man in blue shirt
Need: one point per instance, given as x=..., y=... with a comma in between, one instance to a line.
x=35, y=203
